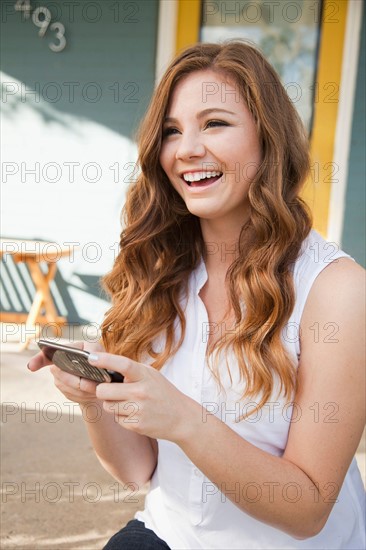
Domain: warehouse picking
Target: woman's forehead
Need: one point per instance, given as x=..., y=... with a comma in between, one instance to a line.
x=205, y=86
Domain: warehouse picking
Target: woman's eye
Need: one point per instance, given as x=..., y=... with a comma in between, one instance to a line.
x=213, y=123
x=169, y=132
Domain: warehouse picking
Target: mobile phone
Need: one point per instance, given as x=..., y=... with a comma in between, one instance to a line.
x=75, y=361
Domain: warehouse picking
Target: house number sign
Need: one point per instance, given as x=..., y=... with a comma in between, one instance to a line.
x=41, y=17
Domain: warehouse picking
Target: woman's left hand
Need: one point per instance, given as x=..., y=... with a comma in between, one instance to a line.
x=146, y=402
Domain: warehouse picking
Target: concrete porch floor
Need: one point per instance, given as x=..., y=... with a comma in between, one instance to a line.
x=55, y=494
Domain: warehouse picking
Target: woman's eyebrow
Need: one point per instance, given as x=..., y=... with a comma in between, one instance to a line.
x=203, y=113
x=214, y=110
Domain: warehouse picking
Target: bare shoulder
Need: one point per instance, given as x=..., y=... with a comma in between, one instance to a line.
x=343, y=266
x=333, y=320
x=342, y=270
x=332, y=328
x=338, y=290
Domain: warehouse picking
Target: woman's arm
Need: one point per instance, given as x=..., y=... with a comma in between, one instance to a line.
x=128, y=456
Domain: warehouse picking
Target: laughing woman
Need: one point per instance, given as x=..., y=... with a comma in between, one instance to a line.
x=237, y=327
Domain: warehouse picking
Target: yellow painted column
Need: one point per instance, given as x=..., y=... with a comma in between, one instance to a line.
x=324, y=172
x=189, y=21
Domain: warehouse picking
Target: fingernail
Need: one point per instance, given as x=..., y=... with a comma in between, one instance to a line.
x=28, y=367
x=93, y=357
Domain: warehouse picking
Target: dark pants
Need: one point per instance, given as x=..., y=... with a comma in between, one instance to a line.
x=135, y=536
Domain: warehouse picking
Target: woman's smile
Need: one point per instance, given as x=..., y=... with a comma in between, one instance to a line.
x=201, y=180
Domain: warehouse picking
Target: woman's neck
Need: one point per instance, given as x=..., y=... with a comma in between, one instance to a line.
x=222, y=244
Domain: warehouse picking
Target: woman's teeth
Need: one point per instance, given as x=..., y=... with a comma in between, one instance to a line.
x=202, y=177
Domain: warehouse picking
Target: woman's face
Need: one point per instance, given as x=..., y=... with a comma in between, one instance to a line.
x=210, y=150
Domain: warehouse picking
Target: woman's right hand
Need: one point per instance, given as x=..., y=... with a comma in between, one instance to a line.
x=74, y=388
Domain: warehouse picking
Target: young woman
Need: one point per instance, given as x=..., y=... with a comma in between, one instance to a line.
x=238, y=328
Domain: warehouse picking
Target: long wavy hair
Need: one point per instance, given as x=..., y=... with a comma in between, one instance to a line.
x=161, y=241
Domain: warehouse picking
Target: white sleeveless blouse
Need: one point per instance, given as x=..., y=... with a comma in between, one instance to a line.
x=183, y=507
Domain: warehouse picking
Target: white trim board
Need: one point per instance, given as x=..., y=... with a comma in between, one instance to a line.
x=167, y=35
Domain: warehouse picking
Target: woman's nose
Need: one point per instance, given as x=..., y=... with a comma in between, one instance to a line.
x=190, y=145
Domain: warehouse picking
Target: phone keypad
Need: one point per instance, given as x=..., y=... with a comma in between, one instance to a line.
x=79, y=365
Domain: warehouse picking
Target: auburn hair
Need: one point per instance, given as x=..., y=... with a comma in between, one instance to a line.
x=161, y=241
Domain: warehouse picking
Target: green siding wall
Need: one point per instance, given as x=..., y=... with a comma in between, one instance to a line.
x=106, y=71
x=353, y=237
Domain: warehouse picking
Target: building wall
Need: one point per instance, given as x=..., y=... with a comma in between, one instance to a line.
x=68, y=122
x=69, y=119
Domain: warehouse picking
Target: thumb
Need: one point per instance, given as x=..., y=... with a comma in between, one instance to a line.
x=41, y=360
